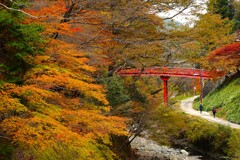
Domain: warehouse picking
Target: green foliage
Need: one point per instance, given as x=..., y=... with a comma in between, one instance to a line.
x=3, y=68
x=222, y=7
x=211, y=25
x=236, y=5
x=227, y=9
x=24, y=38
x=182, y=96
x=18, y=40
x=116, y=91
x=236, y=24
x=226, y=100
x=27, y=39
x=6, y=149
x=169, y=124
x=211, y=139
x=234, y=145
x=62, y=151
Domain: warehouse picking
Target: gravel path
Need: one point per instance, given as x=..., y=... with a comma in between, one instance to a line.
x=186, y=106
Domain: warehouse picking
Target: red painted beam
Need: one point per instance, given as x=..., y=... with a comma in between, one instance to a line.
x=171, y=72
x=165, y=89
x=165, y=73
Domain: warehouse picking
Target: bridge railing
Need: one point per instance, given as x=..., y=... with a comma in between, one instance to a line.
x=170, y=71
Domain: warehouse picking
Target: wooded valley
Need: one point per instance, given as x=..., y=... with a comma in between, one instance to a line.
x=61, y=97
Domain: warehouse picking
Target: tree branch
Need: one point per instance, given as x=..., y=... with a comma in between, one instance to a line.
x=178, y=12
x=5, y=138
x=18, y=10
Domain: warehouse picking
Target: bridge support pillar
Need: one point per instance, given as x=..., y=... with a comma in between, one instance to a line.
x=165, y=89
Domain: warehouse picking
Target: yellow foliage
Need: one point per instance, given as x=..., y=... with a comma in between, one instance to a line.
x=39, y=131
x=59, y=106
x=93, y=123
x=10, y=107
x=212, y=25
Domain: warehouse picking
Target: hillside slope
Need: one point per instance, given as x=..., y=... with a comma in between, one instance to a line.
x=226, y=98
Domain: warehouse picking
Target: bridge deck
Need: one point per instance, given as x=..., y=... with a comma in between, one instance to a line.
x=166, y=71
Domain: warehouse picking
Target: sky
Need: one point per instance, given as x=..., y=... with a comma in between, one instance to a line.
x=185, y=17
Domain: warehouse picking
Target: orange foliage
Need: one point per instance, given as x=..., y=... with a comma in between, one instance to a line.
x=59, y=100
x=49, y=10
x=226, y=58
x=51, y=17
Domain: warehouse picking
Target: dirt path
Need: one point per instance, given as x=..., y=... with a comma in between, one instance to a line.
x=186, y=106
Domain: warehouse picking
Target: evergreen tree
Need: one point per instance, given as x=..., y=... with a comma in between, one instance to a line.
x=223, y=7
x=227, y=9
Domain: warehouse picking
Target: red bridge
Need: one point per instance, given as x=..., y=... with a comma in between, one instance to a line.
x=165, y=73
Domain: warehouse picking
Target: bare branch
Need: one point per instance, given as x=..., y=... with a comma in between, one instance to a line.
x=18, y=10
x=178, y=12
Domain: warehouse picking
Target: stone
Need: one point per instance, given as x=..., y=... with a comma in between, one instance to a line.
x=184, y=152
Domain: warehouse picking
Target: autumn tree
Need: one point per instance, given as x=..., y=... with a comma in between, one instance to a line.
x=227, y=9
x=226, y=58
x=222, y=7
x=212, y=26
x=126, y=33
x=59, y=104
x=58, y=111
x=16, y=44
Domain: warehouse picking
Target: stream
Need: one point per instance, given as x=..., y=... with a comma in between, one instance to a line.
x=147, y=149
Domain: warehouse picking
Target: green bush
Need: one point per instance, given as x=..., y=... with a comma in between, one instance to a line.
x=211, y=138
x=18, y=40
x=116, y=92
x=234, y=145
